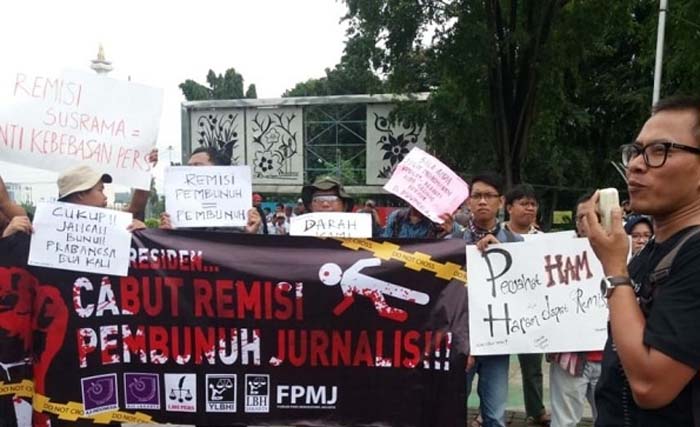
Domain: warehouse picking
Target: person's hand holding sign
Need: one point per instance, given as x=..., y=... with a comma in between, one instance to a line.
x=254, y=221
x=446, y=226
x=485, y=241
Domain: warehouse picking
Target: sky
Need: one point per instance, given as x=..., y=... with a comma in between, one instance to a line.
x=272, y=43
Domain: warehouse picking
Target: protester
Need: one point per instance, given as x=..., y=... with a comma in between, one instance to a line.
x=640, y=230
x=83, y=185
x=139, y=198
x=482, y=230
x=279, y=225
x=210, y=156
x=409, y=223
x=522, y=205
x=13, y=217
x=257, y=204
x=573, y=376
x=652, y=356
x=370, y=207
x=326, y=194
x=279, y=210
x=299, y=209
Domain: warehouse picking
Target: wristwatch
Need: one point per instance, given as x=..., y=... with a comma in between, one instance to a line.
x=609, y=283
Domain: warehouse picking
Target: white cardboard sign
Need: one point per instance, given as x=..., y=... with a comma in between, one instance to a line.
x=332, y=224
x=428, y=185
x=567, y=234
x=55, y=121
x=80, y=238
x=538, y=296
x=208, y=196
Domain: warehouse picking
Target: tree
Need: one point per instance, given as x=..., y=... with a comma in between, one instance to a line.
x=227, y=86
x=340, y=80
x=251, y=93
x=487, y=63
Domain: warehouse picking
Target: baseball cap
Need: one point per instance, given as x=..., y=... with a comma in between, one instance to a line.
x=79, y=178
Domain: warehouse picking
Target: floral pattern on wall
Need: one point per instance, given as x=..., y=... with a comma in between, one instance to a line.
x=220, y=129
x=387, y=143
x=275, y=145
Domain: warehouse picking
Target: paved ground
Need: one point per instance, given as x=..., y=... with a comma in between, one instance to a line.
x=515, y=417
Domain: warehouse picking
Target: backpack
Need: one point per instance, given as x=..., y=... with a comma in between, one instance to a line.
x=660, y=273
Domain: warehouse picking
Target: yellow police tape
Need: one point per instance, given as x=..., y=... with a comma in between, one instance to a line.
x=70, y=411
x=23, y=389
x=385, y=250
x=415, y=261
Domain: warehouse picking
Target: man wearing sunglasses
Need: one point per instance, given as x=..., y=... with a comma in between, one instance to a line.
x=326, y=194
x=651, y=360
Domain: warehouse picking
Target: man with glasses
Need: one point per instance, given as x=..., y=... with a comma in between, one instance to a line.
x=210, y=156
x=521, y=205
x=652, y=357
x=326, y=194
x=483, y=229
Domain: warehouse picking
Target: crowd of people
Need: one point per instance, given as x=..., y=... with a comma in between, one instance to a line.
x=647, y=374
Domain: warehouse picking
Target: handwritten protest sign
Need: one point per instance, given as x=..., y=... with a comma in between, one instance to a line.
x=208, y=196
x=428, y=185
x=55, y=121
x=332, y=224
x=534, y=297
x=80, y=238
x=567, y=234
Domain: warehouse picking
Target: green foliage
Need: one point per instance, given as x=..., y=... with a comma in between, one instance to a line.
x=341, y=80
x=251, y=93
x=540, y=91
x=226, y=86
x=29, y=208
x=152, y=222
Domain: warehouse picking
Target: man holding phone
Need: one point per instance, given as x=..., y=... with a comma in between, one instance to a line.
x=651, y=360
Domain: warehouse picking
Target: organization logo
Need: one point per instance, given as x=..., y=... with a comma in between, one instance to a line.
x=141, y=391
x=306, y=396
x=99, y=393
x=221, y=393
x=181, y=392
x=257, y=393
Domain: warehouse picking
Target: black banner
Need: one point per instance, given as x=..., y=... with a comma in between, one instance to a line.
x=220, y=329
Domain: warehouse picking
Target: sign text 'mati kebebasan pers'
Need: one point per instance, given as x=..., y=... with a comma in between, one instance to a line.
x=55, y=121
x=204, y=330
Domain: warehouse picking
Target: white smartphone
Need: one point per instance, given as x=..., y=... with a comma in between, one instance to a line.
x=607, y=200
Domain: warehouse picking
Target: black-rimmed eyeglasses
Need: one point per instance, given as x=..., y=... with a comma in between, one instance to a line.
x=654, y=154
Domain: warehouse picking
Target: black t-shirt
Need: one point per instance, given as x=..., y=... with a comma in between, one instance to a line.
x=673, y=328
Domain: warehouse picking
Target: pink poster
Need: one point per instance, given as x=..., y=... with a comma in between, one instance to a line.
x=428, y=185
